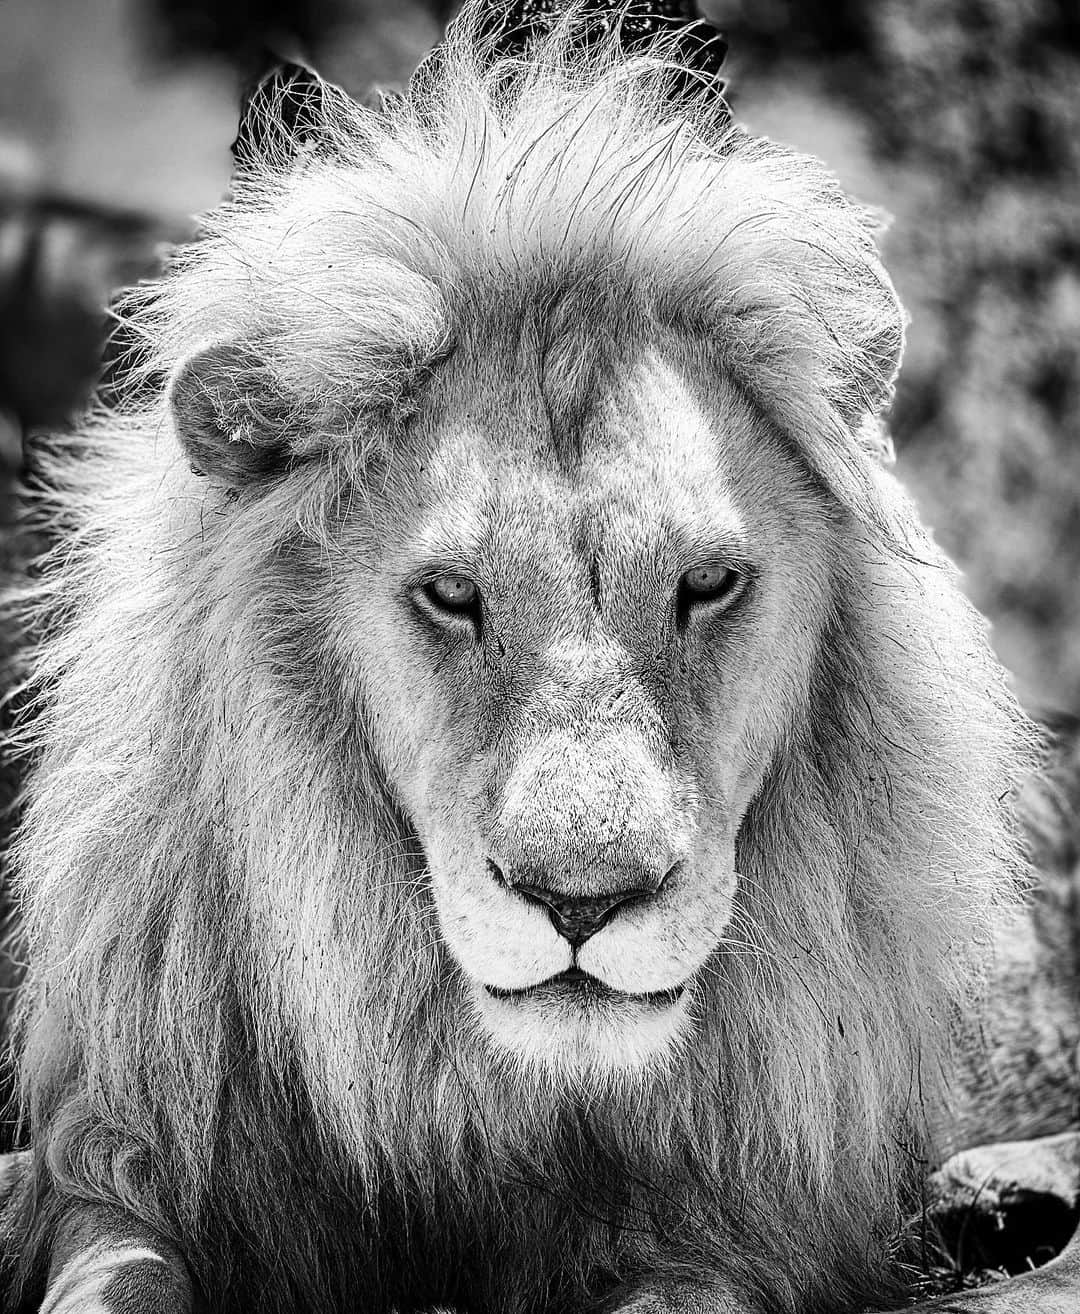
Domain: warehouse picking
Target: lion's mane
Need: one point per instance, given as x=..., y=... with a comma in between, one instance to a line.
x=237, y=1017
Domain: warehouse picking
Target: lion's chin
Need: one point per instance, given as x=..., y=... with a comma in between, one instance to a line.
x=576, y=1027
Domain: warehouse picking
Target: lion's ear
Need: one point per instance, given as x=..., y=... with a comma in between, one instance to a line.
x=880, y=358
x=230, y=415
x=282, y=116
x=874, y=438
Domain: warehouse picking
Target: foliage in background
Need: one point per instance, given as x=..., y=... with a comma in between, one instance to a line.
x=970, y=113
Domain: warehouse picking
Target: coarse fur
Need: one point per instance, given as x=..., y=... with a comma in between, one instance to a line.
x=247, y=1018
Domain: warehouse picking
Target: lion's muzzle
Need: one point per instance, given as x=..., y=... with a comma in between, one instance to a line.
x=578, y=908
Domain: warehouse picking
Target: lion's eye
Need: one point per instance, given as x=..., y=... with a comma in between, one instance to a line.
x=456, y=594
x=708, y=583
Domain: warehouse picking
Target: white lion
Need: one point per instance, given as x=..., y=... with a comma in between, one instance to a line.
x=522, y=803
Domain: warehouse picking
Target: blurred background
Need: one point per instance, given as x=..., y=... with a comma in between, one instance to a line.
x=960, y=118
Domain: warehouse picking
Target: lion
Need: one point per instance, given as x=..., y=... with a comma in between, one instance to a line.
x=521, y=807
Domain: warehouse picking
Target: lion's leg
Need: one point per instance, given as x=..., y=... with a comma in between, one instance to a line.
x=105, y=1262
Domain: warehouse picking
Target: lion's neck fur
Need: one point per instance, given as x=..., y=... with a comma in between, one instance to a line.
x=233, y=952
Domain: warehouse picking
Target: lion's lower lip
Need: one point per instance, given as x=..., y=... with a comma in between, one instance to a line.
x=575, y=982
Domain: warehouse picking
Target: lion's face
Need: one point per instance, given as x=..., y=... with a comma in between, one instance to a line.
x=577, y=669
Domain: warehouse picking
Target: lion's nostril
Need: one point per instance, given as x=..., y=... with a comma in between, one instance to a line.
x=672, y=872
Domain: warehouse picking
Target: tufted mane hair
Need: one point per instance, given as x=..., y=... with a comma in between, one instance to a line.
x=236, y=1019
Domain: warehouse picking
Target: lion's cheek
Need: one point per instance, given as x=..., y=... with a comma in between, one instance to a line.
x=661, y=947
x=496, y=938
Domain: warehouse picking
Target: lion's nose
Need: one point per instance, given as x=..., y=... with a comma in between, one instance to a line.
x=577, y=917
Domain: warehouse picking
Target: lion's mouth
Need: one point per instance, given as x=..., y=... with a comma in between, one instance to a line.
x=579, y=985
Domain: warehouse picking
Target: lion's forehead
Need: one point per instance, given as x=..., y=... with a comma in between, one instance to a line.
x=658, y=476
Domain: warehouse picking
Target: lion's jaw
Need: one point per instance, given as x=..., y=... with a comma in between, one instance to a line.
x=581, y=744
x=575, y=1031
